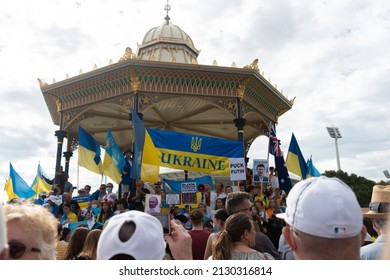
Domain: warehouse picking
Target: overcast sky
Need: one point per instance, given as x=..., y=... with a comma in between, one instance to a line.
x=333, y=56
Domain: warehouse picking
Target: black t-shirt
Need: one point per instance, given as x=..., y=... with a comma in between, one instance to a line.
x=74, y=207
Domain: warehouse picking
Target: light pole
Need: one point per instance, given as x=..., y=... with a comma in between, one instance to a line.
x=335, y=133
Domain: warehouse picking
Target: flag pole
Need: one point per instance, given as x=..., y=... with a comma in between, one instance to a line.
x=78, y=174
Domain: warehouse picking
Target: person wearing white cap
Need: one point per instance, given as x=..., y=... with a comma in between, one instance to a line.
x=135, y=235
x=324, y=220
x=3, y=236
x=378, y=213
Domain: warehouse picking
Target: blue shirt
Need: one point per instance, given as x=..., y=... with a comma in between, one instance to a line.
x=126, y=172
x=374, y=250
x=54, y=209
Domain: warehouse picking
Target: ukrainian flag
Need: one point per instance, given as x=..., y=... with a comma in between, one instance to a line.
x=312, y=171
x=89, y=152
x=195, y=153
x=145, y=161
x=154, y=148
x=39, y=185
x=16, y=187
x=295, y=161
x=113, y=159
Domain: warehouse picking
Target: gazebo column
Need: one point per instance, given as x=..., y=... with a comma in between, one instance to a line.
x=61, y=134
x=239, y=121
x=67, y=155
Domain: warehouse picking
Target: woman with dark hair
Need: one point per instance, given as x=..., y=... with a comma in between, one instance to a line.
x=219, y=203
x=236, y=240
x=105, y=212
x=219, y=219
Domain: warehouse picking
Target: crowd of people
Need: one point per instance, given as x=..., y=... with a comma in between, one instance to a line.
x=320, y=218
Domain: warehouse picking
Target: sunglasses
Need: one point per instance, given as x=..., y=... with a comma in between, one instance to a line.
x=17, y=249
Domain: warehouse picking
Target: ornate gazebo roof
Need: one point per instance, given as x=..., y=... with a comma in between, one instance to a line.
x=170, y=89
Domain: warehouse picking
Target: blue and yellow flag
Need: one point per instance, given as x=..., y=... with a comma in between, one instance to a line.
x=16, y=187
x=312, y=171
x=295, y=161
x=89, y=152
x=113, y=159
x=145, y=161
x=182, y=151
x=39, y=185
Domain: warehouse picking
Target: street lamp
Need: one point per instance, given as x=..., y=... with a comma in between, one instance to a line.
x=335, y=133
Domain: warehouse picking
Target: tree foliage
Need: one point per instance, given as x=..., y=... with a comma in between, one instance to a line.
x=360, y=185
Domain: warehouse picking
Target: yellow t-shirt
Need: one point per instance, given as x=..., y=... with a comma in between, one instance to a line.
x=72, y=217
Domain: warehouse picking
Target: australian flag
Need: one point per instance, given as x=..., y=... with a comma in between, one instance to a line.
x=274, y=149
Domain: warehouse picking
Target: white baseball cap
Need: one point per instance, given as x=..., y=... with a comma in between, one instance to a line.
x=52, y=198
x=146, y=243
x=3, y=231
x=324, y=207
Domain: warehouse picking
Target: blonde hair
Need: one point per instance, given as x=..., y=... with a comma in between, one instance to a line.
x=36, y=222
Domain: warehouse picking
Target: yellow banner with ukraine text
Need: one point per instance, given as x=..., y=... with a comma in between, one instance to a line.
x=193, y=161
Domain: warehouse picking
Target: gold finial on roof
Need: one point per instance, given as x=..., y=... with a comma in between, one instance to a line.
x=42, y=84
x=254, y=65
x=128, y=54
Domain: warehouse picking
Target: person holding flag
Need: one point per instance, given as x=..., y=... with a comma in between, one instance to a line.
x=126, y=175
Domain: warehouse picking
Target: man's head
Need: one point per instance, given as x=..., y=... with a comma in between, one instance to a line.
x=109, y=187
x=219, y=187
x=379, y=207
x=87, y=189
x=66, y=197
x=228, y=189
x=196, y=217
x=157, y=188
x=52, y=199
x=238, y=202
x=127, y=154
x=324, y=220
x=132, y=235
x=260, y=168
x=102, y=188
x=153, y=202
